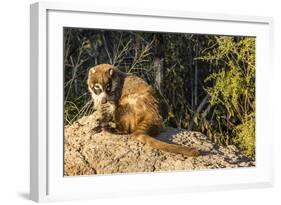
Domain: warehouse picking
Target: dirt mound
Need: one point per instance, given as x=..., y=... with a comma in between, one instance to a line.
x=88, y=152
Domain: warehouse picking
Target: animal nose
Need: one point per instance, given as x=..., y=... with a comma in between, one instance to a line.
x=103, y=101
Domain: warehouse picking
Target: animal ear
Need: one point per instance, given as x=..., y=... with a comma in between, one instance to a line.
x=111, y=71
x=91, y=71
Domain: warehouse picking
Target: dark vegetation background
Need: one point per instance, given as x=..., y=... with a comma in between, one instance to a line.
x=204, y=82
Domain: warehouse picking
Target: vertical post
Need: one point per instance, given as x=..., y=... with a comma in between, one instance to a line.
x=158, y=63
x=158, y=68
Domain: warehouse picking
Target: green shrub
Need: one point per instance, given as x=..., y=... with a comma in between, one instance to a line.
x=246, y=137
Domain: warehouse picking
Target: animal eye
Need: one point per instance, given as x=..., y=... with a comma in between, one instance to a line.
x=108, y=87
x=97, y=87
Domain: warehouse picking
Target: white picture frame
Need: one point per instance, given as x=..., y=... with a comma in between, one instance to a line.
x=46, y=132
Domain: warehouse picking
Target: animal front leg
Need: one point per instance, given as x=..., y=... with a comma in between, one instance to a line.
x=105, y=117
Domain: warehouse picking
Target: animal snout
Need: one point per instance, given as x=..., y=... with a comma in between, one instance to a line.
x=103, y=101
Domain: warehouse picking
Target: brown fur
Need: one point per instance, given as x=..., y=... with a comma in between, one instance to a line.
x=137, y=110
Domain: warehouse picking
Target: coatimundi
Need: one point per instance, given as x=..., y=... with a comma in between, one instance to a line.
x=134, y=108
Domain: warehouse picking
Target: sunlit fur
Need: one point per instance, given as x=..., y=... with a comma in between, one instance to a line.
x=137, y=110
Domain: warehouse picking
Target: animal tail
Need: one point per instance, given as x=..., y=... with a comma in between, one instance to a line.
x=173, y=148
